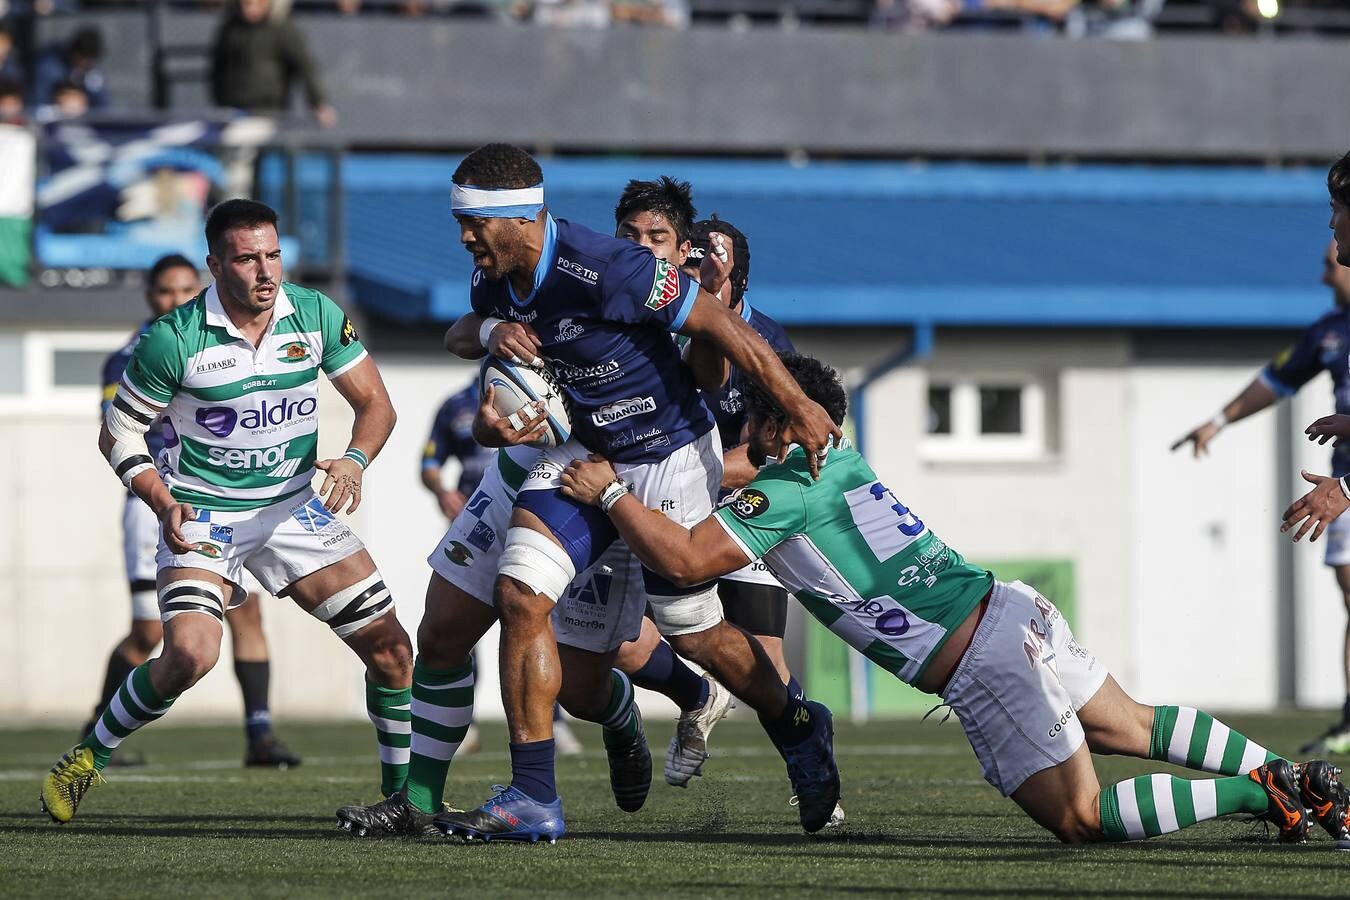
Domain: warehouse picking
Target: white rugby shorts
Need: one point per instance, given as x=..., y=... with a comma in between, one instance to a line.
x=278, y=544
x=601, y=609
x=683, y=487
x=1337, y=537
x=1018, y=689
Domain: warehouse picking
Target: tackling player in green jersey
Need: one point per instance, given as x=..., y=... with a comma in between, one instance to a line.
x=1032, y=700
x=232, y=378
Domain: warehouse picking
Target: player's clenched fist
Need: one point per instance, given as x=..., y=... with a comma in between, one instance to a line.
x=513, y=341
x=171, y=520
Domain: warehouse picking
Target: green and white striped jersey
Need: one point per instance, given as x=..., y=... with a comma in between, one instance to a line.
x=241, y=424
x=856, y=557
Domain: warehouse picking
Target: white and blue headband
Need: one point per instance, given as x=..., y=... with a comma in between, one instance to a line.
x=486, y=203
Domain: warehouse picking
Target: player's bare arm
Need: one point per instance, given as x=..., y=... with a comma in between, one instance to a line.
x=524, y=426
x=737, y=469
x=685, y=556
x=363, y=389
x=1318, y=508
x=1254, y=398
x=1324, y=429
x=710, y=365
x=473, y=336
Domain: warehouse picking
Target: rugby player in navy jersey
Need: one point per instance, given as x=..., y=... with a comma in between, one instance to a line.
x=600, y=310
x=1324, y=346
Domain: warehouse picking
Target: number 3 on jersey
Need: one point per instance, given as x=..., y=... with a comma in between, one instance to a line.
x=886, y=524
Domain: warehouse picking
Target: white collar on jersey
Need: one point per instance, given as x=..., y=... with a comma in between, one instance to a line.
x=215, y=312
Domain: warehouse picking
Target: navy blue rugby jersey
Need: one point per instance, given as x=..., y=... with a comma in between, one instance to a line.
x=604, y=309
x=728, y=403
x=452, y=435
x=1325, y=346
x=113, y=367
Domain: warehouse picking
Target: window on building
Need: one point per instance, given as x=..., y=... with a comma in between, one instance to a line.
x=53, y=372
x=994, y=417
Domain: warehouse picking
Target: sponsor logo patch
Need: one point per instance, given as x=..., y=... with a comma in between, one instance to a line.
x=893, y=622
x=223, y=534
x=622, y=409
x=665, y=286
x=219, y=420
x=348, y=334
x=237, y=458
x=209, y=550
x=313, y=516
x=578, y=271
x=567, y=331
x=482, y=536
x=294, y=352
x=458, y=554
x=747, y=503
x=222, y=420
x=215, y=365
x=523, y=318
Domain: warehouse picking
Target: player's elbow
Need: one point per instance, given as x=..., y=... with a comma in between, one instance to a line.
x=686, y=572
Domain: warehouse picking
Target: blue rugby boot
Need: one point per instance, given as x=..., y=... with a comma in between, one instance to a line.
x=509, y=815
x=812, y=771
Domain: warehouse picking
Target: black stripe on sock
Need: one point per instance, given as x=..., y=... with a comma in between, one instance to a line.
x=132, y=462
x=352, y=611
x=190, y=606
x=126, y=407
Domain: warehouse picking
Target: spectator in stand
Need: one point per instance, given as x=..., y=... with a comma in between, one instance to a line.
x=11, y=102
x=912, y=16
x=68, y=101
x=75, y=63
x=572, y=13
x=10, y=67
x=664, y=13
x=256, y=59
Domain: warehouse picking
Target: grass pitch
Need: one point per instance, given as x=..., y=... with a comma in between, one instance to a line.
x=921, y=821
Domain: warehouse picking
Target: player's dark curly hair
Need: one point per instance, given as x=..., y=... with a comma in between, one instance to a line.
x=237, y=213
x=740, y=245
x=668, y=198
x=502, y=167
x=165, y=263
x=818, y=381
x=1338, y=180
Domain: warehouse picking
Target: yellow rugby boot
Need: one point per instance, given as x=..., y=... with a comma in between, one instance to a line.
x=67, y=782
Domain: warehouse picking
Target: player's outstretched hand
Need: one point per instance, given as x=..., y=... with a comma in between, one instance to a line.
x=342, y=484
x=514, y=341
x=1316, y=509
x=813, y=429
x=171, y=521
x=715, y=269
x=1200, y=437
x=1328, y=427
x=492, y=429
x=585, y=480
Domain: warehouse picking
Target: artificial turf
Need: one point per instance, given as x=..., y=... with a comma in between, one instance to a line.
x=920, y=821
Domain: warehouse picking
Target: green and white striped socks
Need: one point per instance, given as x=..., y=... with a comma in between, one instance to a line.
x=442, y=709
x=389, y=712
x=621, y=719
x=136, y=704
x=1151, y=805
x=1187, y=737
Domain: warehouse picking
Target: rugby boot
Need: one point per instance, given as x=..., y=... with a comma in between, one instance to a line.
x=1279, y=778
x=1334, y=741
x=689, y=747
x=509, y=815
x=66, y=784
x=836, y=818
x=393, y=816
x=268, y=752
x=1326, y=797
x=813, y=773
x=630, y=768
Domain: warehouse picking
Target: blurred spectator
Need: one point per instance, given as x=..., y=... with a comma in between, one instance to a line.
x=68, y=101
x=256, y=59
x=11, y=102
x=74, y=63
x=1122, y=20
x=572, y=13
x=912, y=16
x=666, y=13
x=10, y=66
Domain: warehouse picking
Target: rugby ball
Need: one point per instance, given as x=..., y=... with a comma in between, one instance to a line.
x=517, y=385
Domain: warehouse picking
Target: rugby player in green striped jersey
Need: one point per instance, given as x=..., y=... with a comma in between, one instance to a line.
x=1033, y=701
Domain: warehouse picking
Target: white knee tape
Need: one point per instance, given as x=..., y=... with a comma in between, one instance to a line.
x=536, y=562
x=191, y=596
x=355, y=607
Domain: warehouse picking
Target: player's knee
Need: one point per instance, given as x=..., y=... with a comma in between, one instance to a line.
x=186, y=661
x=535, y=564
x=387, y=653
x=519, y=605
